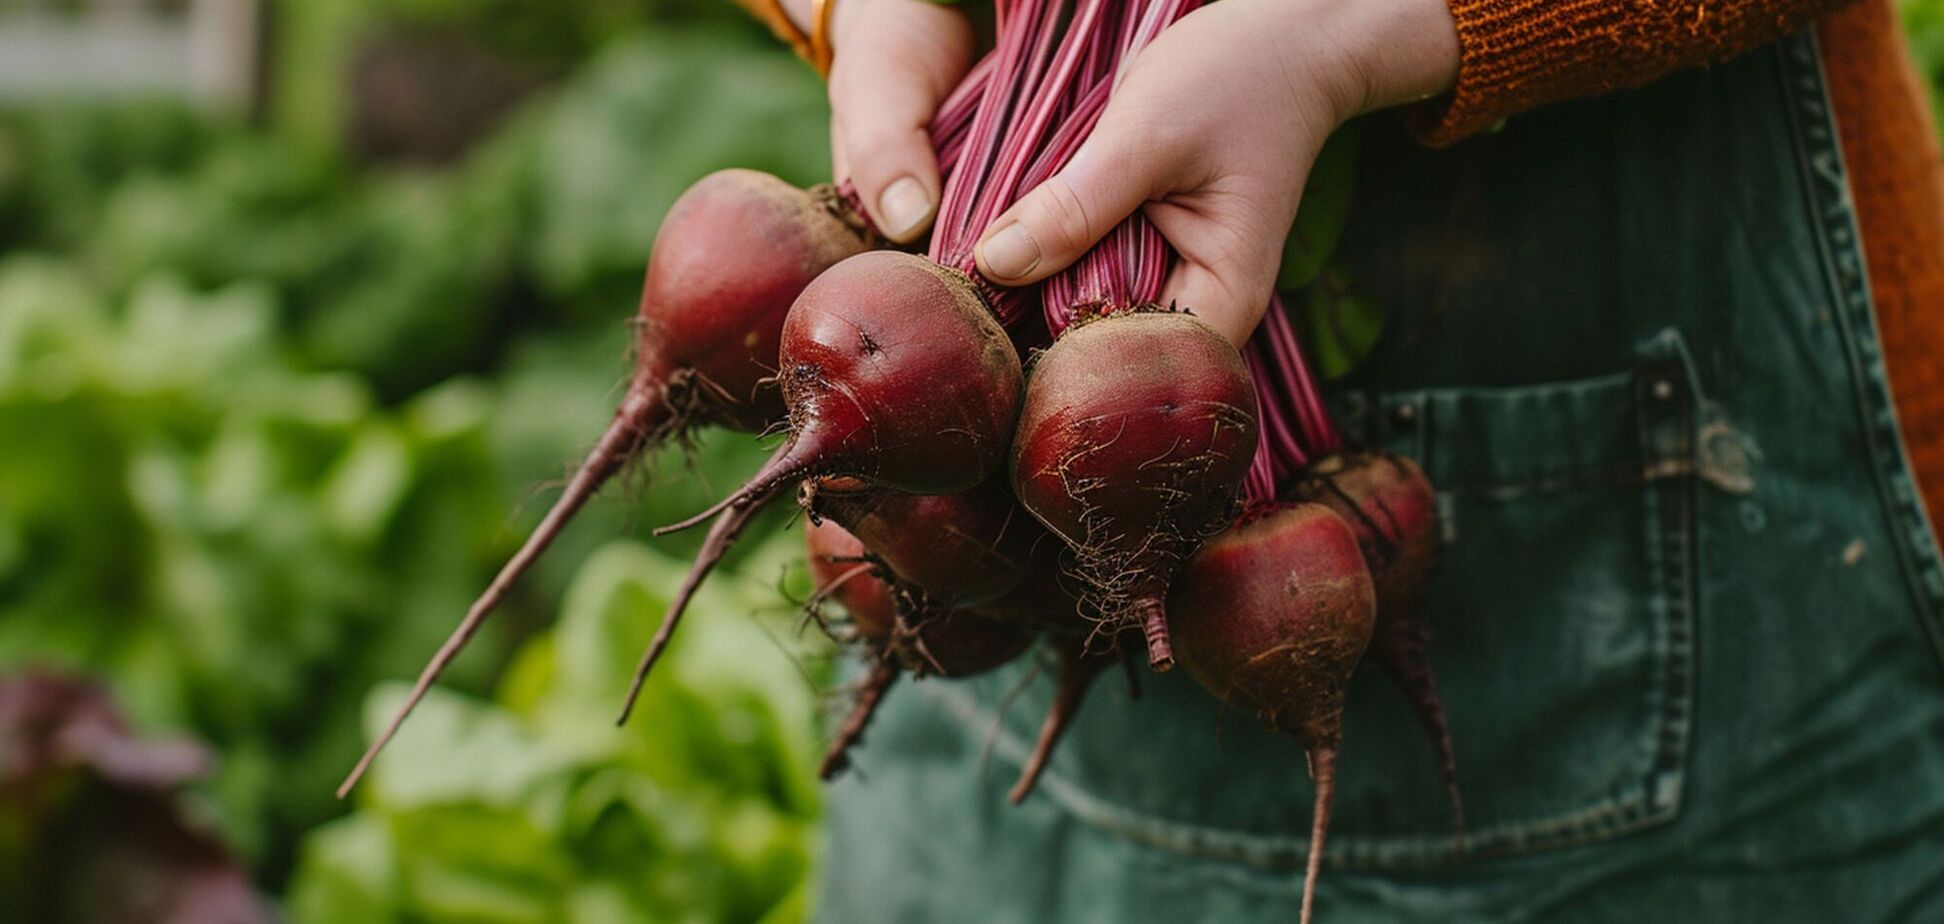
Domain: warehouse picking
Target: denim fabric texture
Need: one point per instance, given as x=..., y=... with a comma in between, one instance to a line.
x=1690, y=621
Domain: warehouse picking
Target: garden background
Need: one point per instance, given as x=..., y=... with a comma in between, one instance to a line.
x=283, y=381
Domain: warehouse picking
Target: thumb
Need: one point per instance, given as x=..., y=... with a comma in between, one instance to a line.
x=1115, y=171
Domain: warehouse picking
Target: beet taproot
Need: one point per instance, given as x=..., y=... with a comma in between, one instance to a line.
x=1273, y=617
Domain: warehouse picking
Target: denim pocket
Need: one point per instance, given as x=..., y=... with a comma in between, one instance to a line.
x=1563, y=617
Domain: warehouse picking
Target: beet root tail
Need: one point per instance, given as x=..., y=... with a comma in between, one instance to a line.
x=1323, y=773
x=722, y=537
x=1153, y=615
x=1399, y=647
x=790, y=462
x=837, y=759
x=1077, y=673
x=640, y=420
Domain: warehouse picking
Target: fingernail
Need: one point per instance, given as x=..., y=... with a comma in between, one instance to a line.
x=1010, y=253
x=905, y=206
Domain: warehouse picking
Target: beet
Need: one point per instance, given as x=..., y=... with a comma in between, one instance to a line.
x=960, y=549
x=951, y=643
x=895, y=374
x=1390, y=505
x=732, y=256
x=1273, y=617
x=1138, y=429
x=842, y=569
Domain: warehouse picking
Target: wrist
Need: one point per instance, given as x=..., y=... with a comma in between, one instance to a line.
x=1370, y=54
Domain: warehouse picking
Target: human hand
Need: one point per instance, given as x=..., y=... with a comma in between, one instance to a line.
x=894, y=62
x=1212, y=134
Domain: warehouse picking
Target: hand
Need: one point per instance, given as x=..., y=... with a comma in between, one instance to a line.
x=894, y=62
x=1212, y=134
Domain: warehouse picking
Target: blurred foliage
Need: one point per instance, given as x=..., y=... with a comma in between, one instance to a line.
x=277, y=407
x=1924, y=24
x=535, y=808
x=94, y=828
x=315, y=41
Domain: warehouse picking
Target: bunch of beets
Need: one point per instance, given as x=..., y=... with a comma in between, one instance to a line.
x=1140, y=484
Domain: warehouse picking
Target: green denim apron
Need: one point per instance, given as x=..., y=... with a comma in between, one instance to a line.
x=1690, y=624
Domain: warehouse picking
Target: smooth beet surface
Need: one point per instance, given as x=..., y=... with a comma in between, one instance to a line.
x=1137, y=432
x=960, y=549
x=732, y=256
x=1272, y=617
x=1390, y=505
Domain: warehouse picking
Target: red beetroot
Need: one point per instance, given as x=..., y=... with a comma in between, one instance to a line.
x=705, y=348
x=895, y=374
x=1137, y=431
x=1274, y=616
x=960, y=549
x=1390, y=505
x=952, y=643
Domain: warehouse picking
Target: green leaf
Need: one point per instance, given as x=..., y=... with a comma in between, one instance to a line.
x=1342, y=325
x=350, y=874
x=453, y=749
x=1324, y=210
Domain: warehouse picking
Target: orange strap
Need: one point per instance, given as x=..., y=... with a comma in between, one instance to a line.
x=821, y=53
x=814, y=46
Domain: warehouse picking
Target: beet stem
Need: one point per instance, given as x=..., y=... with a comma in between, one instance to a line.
x=722, y=537
x=1323, y=772
x=1153, y=616
x=837, y=759
x=635, y=423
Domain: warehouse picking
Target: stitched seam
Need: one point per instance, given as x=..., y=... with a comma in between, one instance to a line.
x=1838, y=236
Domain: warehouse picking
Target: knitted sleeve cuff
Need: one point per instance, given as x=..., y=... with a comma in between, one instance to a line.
x=1516, y=55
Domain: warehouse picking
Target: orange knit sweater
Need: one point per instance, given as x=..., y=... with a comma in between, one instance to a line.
x=1519, y=54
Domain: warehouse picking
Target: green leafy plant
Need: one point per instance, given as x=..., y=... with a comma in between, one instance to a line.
x=535, y=807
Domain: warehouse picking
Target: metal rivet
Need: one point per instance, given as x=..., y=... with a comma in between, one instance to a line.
x=1663, y=389
x=1404, y=413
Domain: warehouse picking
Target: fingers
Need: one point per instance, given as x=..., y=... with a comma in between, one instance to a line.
x=896, y=61
x=1228, y=239
x=1232, y=305
x=1115, y=171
